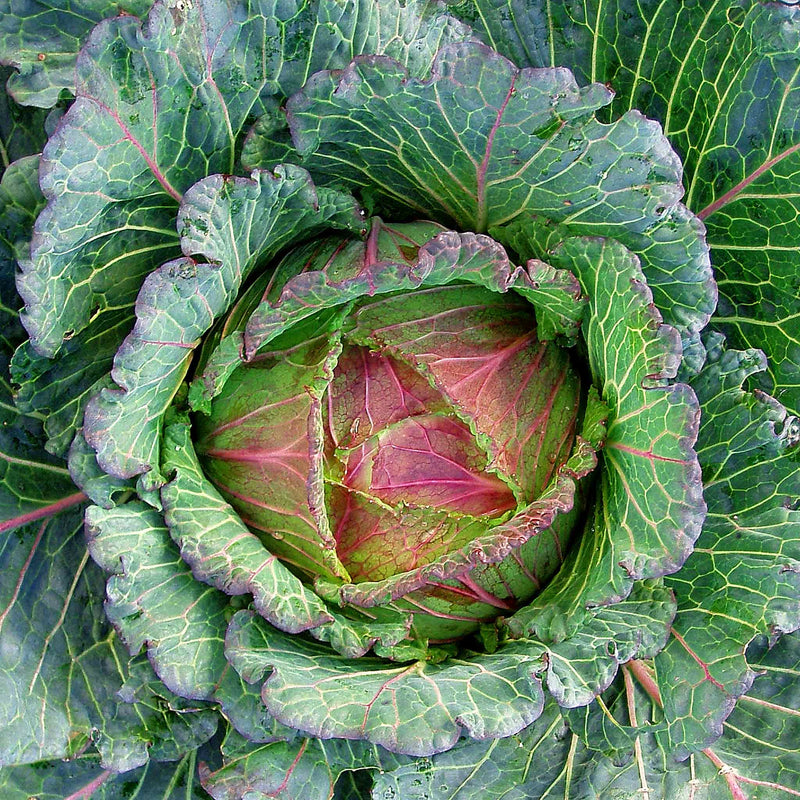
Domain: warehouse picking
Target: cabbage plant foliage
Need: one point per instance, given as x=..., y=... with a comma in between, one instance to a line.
x=400, y=399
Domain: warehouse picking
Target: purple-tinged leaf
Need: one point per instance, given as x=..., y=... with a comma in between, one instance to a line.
x=221, y=551
x=480, y=350
x=262, y=448
x=490, y=548
x=369, y=392
x=375, y=542
x=233, y=223
x=430, y=461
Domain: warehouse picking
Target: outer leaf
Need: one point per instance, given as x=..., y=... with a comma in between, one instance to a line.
x=20, y=202
x=723, y=79
x=93, y=249
x=583, y=666
x=651, y=507
x=58, y=390
x=85, y=778
x=458, y=147
x=759, y=745
x=514, y=768
x=307, y=768
x=753, y=152
x=33, y=484
x=22, y=130
x=756, y=758
x=154, y=600
x=47, y=560
x=42, y=40
x=233, y=223
x=743, y=580
x=64, y=677
x=417, y=709
x=152, y=124
x=139, y=719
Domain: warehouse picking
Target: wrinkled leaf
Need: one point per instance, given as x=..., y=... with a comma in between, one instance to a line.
x=743, y=580
x=154, y=600
x=307, y=768
x=233, y=223
x=651, y=506
x=481, y=143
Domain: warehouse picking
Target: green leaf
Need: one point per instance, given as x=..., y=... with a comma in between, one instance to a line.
x=85, y=778
x=583, y=666
x=458, y=148
x=233, y=223
x=22, y=130
x=743, y=579
x=307, y=768
x=515, y=768
x=65, y=679
x=58, y=389
x=758, y=749
x=95, y=248
x=45, y=583
x=154, y=600
x=410, y=32
x=152, y=125
x=42, y=40
x=33, y=484
x=418, y=709
x=743, y=187
x=651, y=506
x=20, y=202
x=722, y=78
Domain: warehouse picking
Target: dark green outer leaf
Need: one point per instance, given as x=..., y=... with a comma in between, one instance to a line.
x=85, y=778
x=20, y=202
x=760, y=737
x=150, y=125
x=481, y=143
x=722, y=77
x=42, y=40
x=307, y=768
x=33, y=484
x=65, y=679
x=743, y=579
x=22, y=130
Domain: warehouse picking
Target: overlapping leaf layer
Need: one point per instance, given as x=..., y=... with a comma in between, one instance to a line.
x=507, y=408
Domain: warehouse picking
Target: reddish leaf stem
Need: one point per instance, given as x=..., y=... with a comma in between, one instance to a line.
x=91, y=787
x=44, y=511
x=743, y=184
